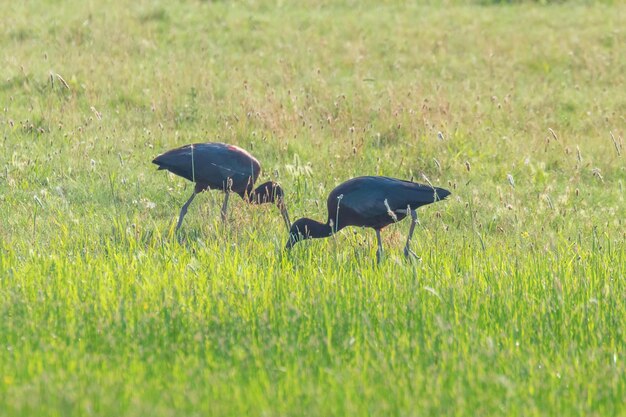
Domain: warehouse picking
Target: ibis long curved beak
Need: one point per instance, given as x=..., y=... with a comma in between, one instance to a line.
x=285, y=214
x=291, y=242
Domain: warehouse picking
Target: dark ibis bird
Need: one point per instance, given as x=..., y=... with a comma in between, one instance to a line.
x=224, y=167
x=373, y=202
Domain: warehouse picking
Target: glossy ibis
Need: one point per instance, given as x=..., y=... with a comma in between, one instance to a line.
x=373, y=202
x=223, y=167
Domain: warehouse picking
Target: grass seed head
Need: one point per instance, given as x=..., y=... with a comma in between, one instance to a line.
x=553, y=133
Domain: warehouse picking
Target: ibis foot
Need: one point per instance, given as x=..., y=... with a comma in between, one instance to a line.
x=410, y=255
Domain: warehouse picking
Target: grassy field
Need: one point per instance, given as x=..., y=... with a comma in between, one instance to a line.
x=518, y=306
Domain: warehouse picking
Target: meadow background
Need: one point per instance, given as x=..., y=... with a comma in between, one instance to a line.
x=518, y=306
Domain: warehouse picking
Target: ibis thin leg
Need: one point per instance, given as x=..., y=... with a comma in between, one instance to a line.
x=183, y=210
x=379, y=251
x=225, y=206
x=408, y=253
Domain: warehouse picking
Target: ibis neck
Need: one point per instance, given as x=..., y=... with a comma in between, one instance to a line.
x=248, y=195
x=257, y=196
x=316, y=229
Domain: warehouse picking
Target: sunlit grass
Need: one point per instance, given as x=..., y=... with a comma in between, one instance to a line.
x=517, y=306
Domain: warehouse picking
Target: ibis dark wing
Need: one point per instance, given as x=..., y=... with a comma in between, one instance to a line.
x=212, y=164
x=368, y=200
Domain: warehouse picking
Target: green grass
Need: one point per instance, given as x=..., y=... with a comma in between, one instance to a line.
x=518, y=306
